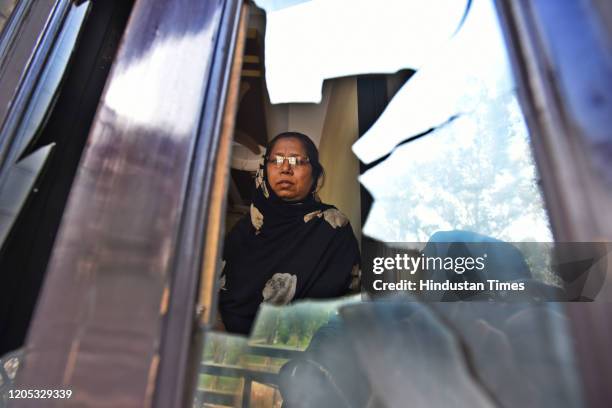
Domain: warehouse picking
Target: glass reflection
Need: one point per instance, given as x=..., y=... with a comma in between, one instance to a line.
x=132, y=95
x=385, y=352
x=465, y=354
x=240, y=371
x=475, y=174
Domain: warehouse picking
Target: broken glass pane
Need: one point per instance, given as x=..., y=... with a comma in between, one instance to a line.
x=319, y=39
x=231, y=364
x=470, y=70
x=420, y=352
x=475, y=173
x=408, y=340
x=461, y=354
x=473, y=170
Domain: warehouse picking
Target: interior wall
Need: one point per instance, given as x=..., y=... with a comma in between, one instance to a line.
x=277, y=118
x=305, y=118
x=340, y=130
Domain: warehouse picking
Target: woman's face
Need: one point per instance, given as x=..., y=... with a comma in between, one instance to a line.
x=290, y=184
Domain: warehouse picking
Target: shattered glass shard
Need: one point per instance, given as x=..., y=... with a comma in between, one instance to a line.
x=472, y=67
x=20, y=180
x=320, y=39
x=475, y=173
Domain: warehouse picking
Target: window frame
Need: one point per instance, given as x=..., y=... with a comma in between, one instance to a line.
x=168, y=289
x=577, y=197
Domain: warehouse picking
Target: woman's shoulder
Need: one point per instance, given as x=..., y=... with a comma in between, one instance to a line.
x=334, y=217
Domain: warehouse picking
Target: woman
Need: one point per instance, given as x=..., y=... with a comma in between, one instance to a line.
x=291, y=246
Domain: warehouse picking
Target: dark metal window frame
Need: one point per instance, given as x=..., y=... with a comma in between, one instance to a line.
x=93, y=252
x=9, y=146
x=190, y=312
x=576, y=187
x=577, y=197
x=11, y=29
x=66, y=125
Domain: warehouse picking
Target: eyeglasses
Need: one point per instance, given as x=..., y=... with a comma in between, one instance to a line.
x=294, y=161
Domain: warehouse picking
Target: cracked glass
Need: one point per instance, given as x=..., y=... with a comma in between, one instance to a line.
x=466, y=172
x=310, y=41
x=450, y=152
x=474, y=173
x=472, y=168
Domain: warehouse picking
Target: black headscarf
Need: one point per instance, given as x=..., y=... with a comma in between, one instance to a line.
x=283, y=251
